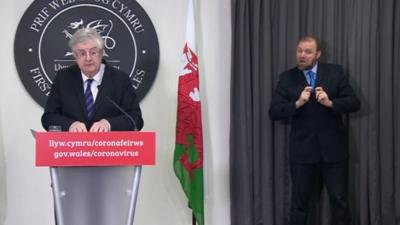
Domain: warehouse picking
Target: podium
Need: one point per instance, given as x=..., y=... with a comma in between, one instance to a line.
x=95, y=176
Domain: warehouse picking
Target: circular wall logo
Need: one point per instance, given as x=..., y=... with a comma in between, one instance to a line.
x=41, y=42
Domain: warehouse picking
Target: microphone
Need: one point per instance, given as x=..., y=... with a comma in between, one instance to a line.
x=123, y=111
x=120, y=109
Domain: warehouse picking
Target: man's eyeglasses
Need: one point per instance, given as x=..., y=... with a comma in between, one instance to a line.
x=81, y=54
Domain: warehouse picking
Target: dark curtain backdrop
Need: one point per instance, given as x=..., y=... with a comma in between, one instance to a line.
x=363, y=36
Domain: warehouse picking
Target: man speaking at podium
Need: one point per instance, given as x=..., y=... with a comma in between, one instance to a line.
x=91, y=95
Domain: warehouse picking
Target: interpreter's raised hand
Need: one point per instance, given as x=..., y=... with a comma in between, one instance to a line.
x=77, y=126
x=322, y=97
x=304, y=97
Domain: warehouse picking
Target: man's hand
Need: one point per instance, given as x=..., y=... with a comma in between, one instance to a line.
x=77, y=126
x=304, y=97
x=101, y=126
x=322, y=97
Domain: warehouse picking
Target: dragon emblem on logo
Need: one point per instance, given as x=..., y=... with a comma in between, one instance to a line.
x=104, y=29
x=41, y=41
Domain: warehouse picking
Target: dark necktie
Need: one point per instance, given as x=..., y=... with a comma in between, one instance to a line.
x=89, y=97
x=311, y=78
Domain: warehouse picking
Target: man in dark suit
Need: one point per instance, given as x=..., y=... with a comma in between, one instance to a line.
x=82, y=95
x=314, y=96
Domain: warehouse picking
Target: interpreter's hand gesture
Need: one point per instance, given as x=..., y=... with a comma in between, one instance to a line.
x=304, y=97
x=322, y=97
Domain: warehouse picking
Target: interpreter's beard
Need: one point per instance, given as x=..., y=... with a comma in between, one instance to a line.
x=306, y=67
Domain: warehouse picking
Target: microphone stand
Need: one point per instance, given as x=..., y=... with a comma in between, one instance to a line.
x=138, y=169
x=134, y=194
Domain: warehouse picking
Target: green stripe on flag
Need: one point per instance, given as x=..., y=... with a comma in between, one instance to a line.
x=192, y=183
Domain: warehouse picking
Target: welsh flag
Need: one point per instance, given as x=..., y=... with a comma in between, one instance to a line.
x=188, y=155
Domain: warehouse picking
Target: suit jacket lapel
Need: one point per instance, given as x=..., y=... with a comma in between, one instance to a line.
x=302, y=77
x=104, y=90
x=78, y=88
x=320, y=75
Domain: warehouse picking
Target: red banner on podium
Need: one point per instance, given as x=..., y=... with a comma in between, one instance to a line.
x=95, y=149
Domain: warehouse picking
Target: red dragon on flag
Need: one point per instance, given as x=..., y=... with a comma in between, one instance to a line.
x=188, y=155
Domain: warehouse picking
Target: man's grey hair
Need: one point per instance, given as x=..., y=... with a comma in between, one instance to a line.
x=86, y=34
